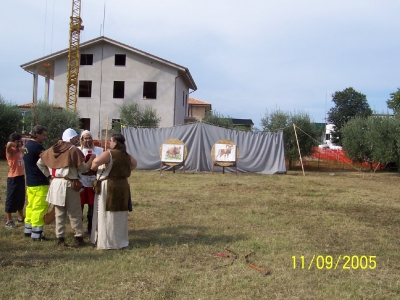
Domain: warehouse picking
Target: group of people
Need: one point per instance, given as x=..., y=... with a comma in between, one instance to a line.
x=62, y=176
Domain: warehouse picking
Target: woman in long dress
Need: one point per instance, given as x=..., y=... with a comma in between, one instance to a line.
x=110, y=218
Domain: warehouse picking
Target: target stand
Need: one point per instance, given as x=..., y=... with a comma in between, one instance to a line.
x=173, y=153
x=224, y=153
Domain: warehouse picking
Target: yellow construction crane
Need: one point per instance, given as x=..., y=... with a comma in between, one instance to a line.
x=75, y=28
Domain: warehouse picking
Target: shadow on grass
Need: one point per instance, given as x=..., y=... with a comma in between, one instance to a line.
x=21, y=252
x=28, y=254
x=170, y=236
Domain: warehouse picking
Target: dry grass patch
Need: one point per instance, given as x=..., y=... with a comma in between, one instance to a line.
x=180, y=221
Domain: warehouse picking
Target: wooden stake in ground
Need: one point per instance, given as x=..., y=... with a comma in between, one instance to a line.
x=298, y=147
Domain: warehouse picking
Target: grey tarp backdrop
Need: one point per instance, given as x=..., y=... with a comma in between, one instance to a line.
x=258, y=152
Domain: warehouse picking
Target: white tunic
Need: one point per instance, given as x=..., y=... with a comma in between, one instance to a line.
x=58, y=186
x=109, y=228
x=85, y=179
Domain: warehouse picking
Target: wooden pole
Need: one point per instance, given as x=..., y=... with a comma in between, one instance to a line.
x=379, y=163
x=106, y=138
x=298, y=147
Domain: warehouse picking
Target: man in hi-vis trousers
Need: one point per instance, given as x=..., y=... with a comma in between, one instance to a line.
x=37, y=185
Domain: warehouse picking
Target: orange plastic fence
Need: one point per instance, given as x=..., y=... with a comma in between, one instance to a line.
x=337, y=155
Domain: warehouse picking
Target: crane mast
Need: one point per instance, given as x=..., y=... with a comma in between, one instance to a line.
x=75, y=28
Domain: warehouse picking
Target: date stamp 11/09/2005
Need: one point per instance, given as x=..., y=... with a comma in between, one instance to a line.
x=329, y=262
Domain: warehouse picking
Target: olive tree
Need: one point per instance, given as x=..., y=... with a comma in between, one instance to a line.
x=307, y=133
x=355, y=140
x=55, y=118
x=135, y=115
x=382, y=133
x=11, y=121
x=216, y=118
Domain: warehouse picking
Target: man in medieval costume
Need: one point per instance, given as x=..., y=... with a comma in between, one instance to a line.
x=65, y=162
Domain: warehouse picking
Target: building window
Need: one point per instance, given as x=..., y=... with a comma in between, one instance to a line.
x=85, y=88
x=120, y=59
x=149, y=90
x=115, y=123
x=119, y=89
x=86, y=60
x=183, y=98
x=85, y=123
x=328, y=137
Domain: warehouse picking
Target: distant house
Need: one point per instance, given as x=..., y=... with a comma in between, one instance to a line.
x=327, y=142
x=247, y=123
x=198, y=109
x=112, y=74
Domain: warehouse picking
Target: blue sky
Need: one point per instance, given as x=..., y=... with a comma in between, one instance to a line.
x=246, y=57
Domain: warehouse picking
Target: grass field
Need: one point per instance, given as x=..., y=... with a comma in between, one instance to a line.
x=180, y=221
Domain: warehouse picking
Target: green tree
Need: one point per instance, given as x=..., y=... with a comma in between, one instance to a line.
x=383, y=134
x=11, y=121
x=134, y=115
x=396, y=136
x=56, y=120
x=348, y=104
x=307, y=133
x=275, y=121
x=216, y=118
x=394, y=102
x=355, y=142
x=242, y=128
x=150, y=118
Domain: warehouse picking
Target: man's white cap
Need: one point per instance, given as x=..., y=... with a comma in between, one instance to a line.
x=68, y=134
x=86, y=132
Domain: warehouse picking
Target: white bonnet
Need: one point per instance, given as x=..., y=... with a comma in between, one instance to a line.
x=68, y=134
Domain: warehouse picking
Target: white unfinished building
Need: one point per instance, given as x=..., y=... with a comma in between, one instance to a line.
x=111, y=74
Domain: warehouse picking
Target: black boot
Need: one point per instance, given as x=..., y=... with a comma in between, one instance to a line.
x=89, y=218
x=79, y=241
x=89, y=224
x=61, y=242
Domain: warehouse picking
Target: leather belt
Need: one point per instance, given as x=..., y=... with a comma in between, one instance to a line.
x=89, y=173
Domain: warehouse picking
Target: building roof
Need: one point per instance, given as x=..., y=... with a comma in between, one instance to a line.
x=42, y=70
x=194, y=101
x=245, y=122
